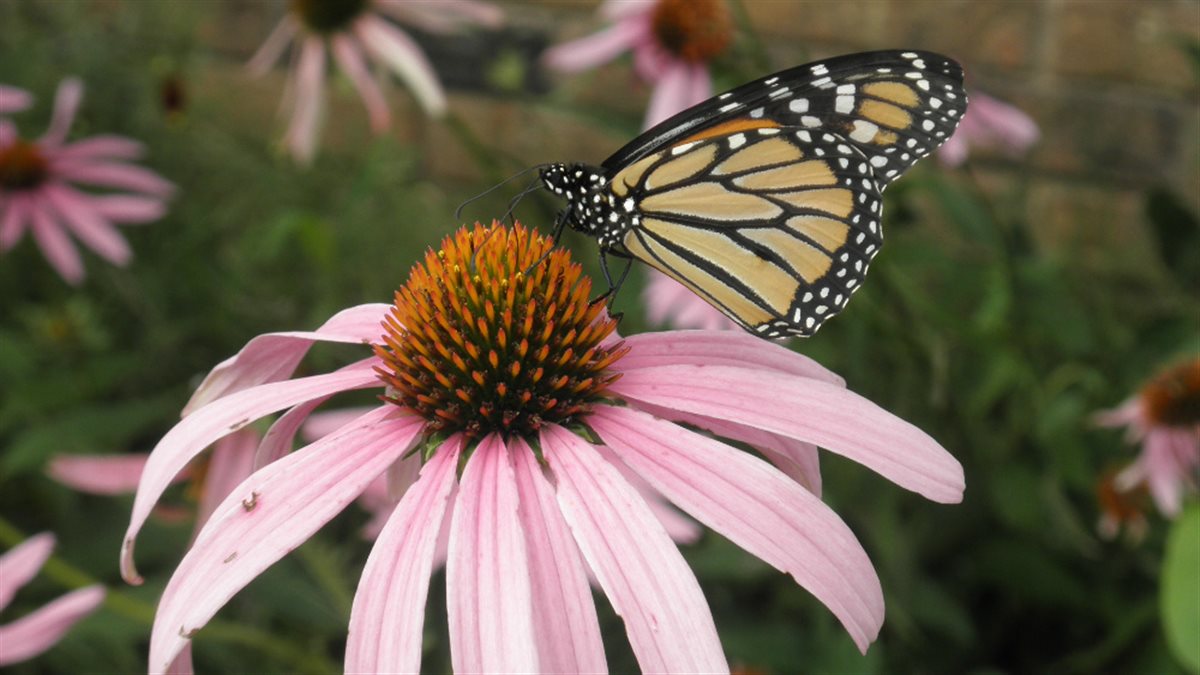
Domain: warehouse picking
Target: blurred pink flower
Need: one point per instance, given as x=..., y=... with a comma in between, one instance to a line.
x=989, y=123
x=36, y=190
x=670, y=303
x=672, y=42
x=526, y=444
x=1165, y=418
x=41, y=629
x=13, y=99
x=354, y=31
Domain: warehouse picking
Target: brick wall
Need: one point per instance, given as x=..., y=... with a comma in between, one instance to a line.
x=1107, y=81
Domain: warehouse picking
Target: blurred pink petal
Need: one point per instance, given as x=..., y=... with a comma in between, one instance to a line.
x=88, y=227
x=301, y=136
x=399, y=53
x=22, y=563
x=15, y=216
x=442, y=16
x=645, y=578
x=98, y=474
x=112, y=175
x=670, y=303
x=990, y=123
x=66, y=104
x=40, y=630
x=270, y=51
x=127, y=208
x=596, y=49
x=564, y=614
x=102, y=147
x=230, y=463
x=13, y=99
x=390, y=600
x=347, y=55
x=488, y=595
x=680, y=86
x=56, y=247
x=266, y=517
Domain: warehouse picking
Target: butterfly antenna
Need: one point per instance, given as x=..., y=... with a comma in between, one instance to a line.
x=458, y=211
x=559, y=224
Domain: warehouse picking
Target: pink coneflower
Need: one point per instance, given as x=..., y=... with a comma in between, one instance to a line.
x=41, y=629
x=354, y=32
x=1165, y=418
x=672, y=42
x=37, y=191
x=989, y=123
x=13, y=99
x=527, y=414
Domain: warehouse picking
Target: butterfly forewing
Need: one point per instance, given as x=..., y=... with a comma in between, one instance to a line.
x=773, y=225
x=894, y=106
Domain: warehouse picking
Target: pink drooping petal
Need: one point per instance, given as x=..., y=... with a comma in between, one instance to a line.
x=680, y=528
x=98, y=474
x=231, y=461
x=66, y=104
x=272, y=49
x=756, y=507
x=94, y=231
x=34, y=633
x=808, y=410
x=15, y=215
x=797, y=459
x=351, y=61
x=596, y=49
x=564, y=614
x=442, y=16
x=400, y=54
x=719, y=348
x=270, y=514
x=302, y=132
x=324, y=423
x=127, y=208
x=382, y=495
x=55, y=246
x=13, y=99
x=22, y=563
x=675, y=90
x=113, y=175
x=1169, y=460
x=274, y=356
x=202, y=428
x=387, y=619
x=669, y=302
x=103, y=147
x=488, y=598
x=182, y=665
x=669, y=624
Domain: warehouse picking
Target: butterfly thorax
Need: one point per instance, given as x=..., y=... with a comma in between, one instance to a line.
x=591, y=208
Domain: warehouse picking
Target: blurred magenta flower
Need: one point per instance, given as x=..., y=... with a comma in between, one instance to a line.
x=672, y=42
x=13, y=99
x=1165, y=418
x=527, y=415
x=989, y=123
x=354, y=32
x=41, y=629
x=37, y=191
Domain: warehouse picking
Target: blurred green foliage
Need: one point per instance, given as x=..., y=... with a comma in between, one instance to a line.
x=998, y=348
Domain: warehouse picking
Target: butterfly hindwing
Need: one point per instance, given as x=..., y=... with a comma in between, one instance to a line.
x=894, y=106
x=775, y=226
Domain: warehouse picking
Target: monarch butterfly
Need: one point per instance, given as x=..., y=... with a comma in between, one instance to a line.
x=766, y=200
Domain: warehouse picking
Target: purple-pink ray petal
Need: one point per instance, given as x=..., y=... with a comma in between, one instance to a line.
x=488, y=599
x=348, y=56
x=127, y=208
x=101, y=147
x=15, y=214
x=675, y=89
x=669, y=624
x=38, y=631
x=756, y=507
x=387, y=618
x=274, y=356
x=444, y=16
x=112, y=175
x=231, y=461
x=267, y=516
x=55, y=245
x=98, y=474
x=200, y=429
x=66, y=104
x=719, y=348
x=403, y=57
x=13, y=99
x=564, y=614
x=808, y=410
x=302, y=132
x=272, y=49
x=22, y=563
x=596, y=49
x=91, y=229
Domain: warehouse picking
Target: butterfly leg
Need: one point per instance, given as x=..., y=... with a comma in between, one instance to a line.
x=609, y=296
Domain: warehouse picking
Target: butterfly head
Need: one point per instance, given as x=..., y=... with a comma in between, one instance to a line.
x=583, y=188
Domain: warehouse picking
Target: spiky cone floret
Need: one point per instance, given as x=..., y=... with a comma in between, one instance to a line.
x=474, y=344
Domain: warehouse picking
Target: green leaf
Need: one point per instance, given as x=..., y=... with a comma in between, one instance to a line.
x=1179, y=598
